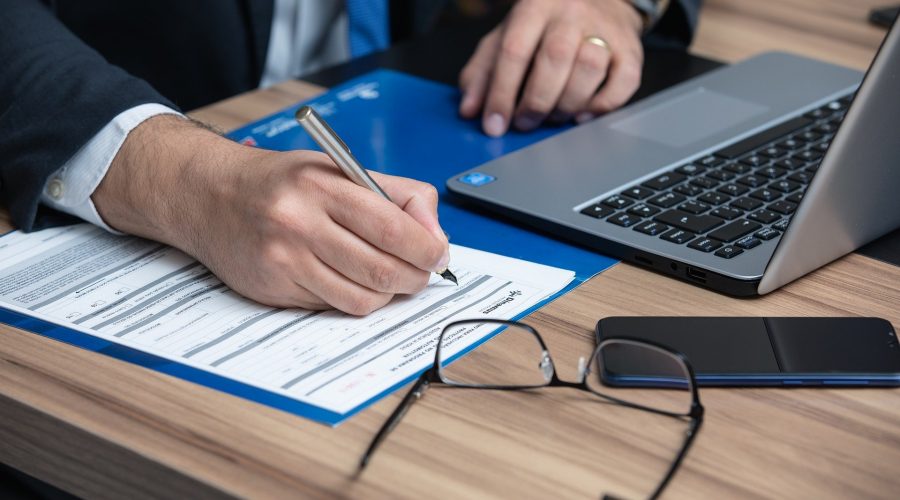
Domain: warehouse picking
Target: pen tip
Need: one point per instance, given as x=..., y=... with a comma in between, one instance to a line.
x=448, y=275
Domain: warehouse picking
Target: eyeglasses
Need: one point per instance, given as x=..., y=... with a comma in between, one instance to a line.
x=633, y=373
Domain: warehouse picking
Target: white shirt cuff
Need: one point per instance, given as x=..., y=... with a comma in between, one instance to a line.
x=69, y=189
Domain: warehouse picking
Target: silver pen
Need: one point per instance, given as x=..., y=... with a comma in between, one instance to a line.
x=329, y=141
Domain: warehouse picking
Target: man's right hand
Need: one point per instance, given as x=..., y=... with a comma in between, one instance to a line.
x=286, y=229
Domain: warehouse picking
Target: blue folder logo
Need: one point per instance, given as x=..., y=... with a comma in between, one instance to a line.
x=477, y=179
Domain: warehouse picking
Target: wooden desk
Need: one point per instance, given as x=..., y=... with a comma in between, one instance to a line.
x=100, y=427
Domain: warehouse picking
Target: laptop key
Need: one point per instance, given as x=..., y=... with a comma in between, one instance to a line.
x=790, y=144
x=767, y=233
x=643, y=210
x=664, y=181
x=624, y=219
x=773, y=152
x=795, y=198
x=689, y=222
x=734, y=230
x=808, y=156
x=687, y=189
x=753, y=181
x=808, y=136
x=727, y=213
x=694, y=207
x=789, y=164
x=764, y=216
x=617, y=202
x=637, y=192
x=785, y=186
x=729, y=252
x=704, y=182
x=733, y=189
x=597, y=211
x=721, y=175
x=711, y=161
x=821, y=147
x=755, y=160
x=666, y=200
x=678, y=236
x=781, y=225
x=818, y=114
x=783, y=207
x=746, y=204
x=690, y=169
x=801, y=177
x=714, y=198
x=771, y=172
x=651, y=227
x=747, y=242
x=704, y=244
x=766, y=195
x=738, y=168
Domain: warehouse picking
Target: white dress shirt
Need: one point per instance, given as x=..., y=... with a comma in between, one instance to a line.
x=306, y=35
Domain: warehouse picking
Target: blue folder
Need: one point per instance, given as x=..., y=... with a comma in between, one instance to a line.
x=395, y=124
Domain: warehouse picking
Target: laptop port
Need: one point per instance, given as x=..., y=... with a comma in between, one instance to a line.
x=696, y=275
x=643, y=260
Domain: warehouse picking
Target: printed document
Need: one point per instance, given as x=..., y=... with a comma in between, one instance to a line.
x=158, y=300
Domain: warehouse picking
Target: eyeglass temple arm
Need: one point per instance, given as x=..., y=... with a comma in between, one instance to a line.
x=696, y=422
x=416, y=392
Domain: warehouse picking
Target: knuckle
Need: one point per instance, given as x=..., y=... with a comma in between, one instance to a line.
x=384, y=277
x=514, y=49
x=362, y=304
x=391, y=234
x=558, y=48
x=536, y=103
x=594, y=61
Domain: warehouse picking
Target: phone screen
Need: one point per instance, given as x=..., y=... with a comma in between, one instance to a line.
x=763, y=351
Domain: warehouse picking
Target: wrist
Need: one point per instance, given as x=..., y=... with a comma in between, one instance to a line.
x=158, y=185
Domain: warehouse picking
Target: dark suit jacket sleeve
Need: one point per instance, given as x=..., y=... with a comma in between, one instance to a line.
x=675, y=29
x=55, y=94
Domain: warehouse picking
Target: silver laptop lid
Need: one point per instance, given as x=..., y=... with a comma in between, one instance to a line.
x=855, y=196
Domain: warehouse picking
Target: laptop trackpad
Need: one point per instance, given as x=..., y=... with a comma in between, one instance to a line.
x=689, y=118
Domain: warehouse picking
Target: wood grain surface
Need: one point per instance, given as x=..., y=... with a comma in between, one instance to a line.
x=103, y=428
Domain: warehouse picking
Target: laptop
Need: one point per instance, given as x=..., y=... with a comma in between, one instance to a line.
x=740, y=180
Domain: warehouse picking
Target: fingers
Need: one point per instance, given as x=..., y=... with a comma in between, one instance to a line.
x=366, y=265
x=476, y=75
x=520, y=38
x=418, y=199
x=552, y=67
x=565, y=71
x=588, y=73
x=338, y=291
x=387, y=227
x=623, y=81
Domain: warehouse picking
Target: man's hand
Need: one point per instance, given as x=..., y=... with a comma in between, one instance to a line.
x=549, y=36
x=285, y=229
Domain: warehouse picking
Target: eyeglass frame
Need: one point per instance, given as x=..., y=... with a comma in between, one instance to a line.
x=434, y=374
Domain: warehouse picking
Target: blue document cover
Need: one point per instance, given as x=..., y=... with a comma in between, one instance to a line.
x=395, y=124
x=403, y=125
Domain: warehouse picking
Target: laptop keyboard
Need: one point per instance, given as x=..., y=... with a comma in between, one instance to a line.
x=733, y=200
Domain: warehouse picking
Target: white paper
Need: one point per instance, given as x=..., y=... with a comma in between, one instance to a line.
x=156, y=299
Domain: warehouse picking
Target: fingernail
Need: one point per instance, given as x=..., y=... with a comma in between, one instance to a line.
x=495, y=125
x=526, y=122
x=584, y=117
x=442, y=264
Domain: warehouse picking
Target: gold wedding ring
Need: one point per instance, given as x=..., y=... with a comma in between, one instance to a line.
x=599, y=42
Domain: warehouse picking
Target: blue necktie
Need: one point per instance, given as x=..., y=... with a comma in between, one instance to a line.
x=368, y=26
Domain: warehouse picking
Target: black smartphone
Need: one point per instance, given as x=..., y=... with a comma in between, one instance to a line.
x=740, y=351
